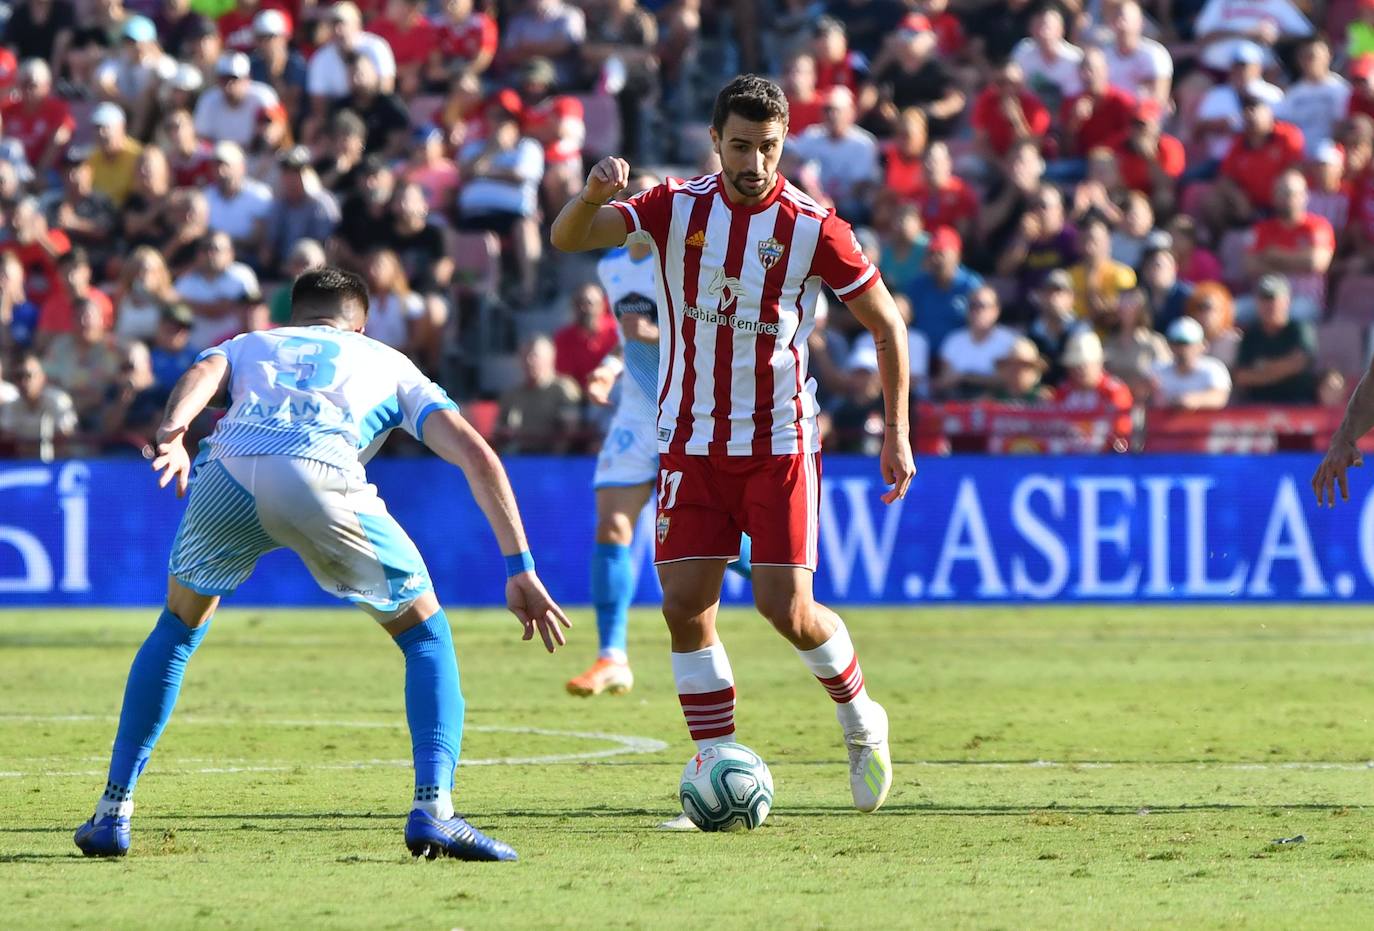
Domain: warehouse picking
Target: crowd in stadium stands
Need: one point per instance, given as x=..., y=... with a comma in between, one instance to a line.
x=1111, y=205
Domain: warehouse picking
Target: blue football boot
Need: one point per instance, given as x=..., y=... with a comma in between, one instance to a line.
x=428, y=837
x=104, y=837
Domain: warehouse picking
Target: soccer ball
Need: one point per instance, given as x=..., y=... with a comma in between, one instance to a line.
x=726, y=788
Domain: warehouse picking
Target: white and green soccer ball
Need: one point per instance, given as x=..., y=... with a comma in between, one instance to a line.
x=726, y=787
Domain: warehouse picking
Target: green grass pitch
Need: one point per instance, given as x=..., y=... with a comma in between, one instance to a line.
x=1068, y=768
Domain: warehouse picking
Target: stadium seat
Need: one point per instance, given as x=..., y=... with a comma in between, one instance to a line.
x=1354, y=299
x=477, y=262
x=1344, y=346
x=482, y=415
x=602, y=118
x=498, y=373
x=1231, y=252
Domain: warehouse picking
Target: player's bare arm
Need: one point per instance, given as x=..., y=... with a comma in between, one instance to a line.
x=194, y=391
x=455, y=441
x=874, y=308
x=1344, y=454
x=586, y=222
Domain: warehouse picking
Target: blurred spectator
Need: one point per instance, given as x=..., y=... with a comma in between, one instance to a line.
x=188, y=215
x=423, y=250
x=1360, y=32
x=501, y=193
x=551, y=30
x=74, y=286
x=803, y=100
x=1330, y=196
x=1140, y=66
x=1132, y=350
x=8, y=392
x=85, y=362
x=836, y=64
x=968, y=356
x=1274, y=362
x=384, y=115
x=904, y=250
x=305, y=256
x=431, y=168
x=302, y=209
x=1049, y=62
x=413, y=40
x=37, y=246
x=170, y=352
x=1296, y=244
x=468, y=40
x=223, y=294
x=40, y=29
x=202, y=47
x=911, y=75
x=18, y=314
x=144, y=216
x=1041, y=244
x=327, y=76
x=951, y=42
x=364, y=214
x=116, y=153
x=1098, y=279
x=1131, y=237
x=190, y=158
x=1223, y=25
x=1194, y=263
x=943, y=289
x=1318, y=100
x=99, y=28
x=620, y=56
x=1212, y=307
x=1055, y=323
x=540, y=415
x=1019, y=375
x=143, y=294
x=1150, y=161
x=904, y=154
x=235, y=108
x=239, y=205
x=1099, y=115
x=944, y=198
x=275, y=62
x=38, y=118
x=12, y=152
x=857, y=421
x=1088, y=387
x=1220, y=112
x=1010, y=198
x=341, y=166
x=1193, y=381
x=555, y=121
x=1361, y=71
x=1005, y=113
x=1166, y=294
x=86, y=215
x=1101, y=193
x=1263, y=151
x=869, y=22
x=133, y=75
x=396, y=315
x=582, y=344
x=42, y=413
x=917, y=348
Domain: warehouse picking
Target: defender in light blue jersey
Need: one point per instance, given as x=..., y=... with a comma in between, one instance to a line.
x=627, y=466
x=308, y=404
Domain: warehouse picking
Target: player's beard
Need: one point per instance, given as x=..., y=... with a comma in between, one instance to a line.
x=749, y=184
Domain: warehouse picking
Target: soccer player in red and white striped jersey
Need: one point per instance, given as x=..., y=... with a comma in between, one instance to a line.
x=742, y=256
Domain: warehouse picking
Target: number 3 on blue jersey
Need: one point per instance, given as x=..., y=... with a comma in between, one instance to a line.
x=312, y=368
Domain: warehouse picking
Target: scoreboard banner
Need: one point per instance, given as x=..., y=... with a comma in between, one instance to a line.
x=974, y=529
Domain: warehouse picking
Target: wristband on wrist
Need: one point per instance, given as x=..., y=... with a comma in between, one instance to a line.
x=520, y=562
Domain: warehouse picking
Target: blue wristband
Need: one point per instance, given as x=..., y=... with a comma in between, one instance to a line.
x=520, y=562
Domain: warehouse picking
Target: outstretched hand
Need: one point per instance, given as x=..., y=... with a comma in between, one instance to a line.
x=607, y=177
x=1342, y=455
x=171, y=460
x=897, y=466
x=532, y=606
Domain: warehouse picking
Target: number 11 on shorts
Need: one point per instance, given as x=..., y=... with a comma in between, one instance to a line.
x=668, y=483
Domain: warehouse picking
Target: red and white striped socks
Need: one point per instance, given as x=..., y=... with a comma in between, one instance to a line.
x=837, y=667
x=706, y=689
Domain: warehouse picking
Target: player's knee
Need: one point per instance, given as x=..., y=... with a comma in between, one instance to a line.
x=614, y=528
x=789, y=614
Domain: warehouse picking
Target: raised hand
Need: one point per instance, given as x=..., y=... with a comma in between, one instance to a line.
x=607, y=177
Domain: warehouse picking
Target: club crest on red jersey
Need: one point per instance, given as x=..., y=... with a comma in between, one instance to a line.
x=662, y=527
x=770, y=250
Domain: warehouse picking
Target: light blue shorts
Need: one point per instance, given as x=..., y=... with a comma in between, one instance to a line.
x=629, y=454
x=245, y=506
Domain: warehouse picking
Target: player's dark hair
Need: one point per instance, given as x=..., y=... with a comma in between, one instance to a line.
x=755, y=98
x=328, y=294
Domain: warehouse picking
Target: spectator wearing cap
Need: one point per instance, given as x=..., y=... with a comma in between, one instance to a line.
x=1088, y=387
x=38, y=118
x=1330, y=195
x=468, y=40
x=1165, y=293
x=236, y=25
x=327, y=77
x=903, y=255
x=143, y=293
x=180, y=91
x=202, y=48
x=903, y=155
x=1098, y=279
x=1049, y=62
x=59, y=313
x=384, y=115
x=856, y=422
x=1224, y=24
x=134, y=74
x=1007, y=112
x=1296, y=244
x=302, y=209
x=1319, y=99
x=274, y=61
x=1193, y=380
x=86, y=361
x=115, y=156
x=836, y=64
x=1263, y=151
x=41, y=413
x=1099, y=115
x=86, y=215
x=18, y=314
x=1220, y=112
x=1042, y=243
x=190, y=158
x=1149, y=160
x=37, y=246
x=549, y=29
x=944, y=198
x=223, y=294
x=413, y=39
x=1020, y=375
x=1137, y=65
x=804, y=101
x=431, y=168
x=845, y=154
x=909, y=74
x=364, y=215
x=968, y=356
x=170, y=351
x=1132, y=348
x=1195, y=263
x=234, y=109
x=1274, y=361
x=942, y=290
x=1055, y=322
x=1212, y=307
x=239, y=205
x=556, y=121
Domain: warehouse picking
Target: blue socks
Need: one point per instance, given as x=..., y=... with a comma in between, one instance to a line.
x=743, y=566
x=149, y=697
x=612, y=589
x=434, y=711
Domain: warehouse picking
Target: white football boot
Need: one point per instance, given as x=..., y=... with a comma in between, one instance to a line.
x=870, y=761
x=680, y=823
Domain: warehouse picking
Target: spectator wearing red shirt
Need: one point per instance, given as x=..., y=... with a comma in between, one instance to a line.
x=1149, y=160
x=1099, y=116
x=1361, y=71
x=58, y=314
x=1261, y=151
x=236, y=26
x=945, y=199
x=189, y=157
x=38, y=118
x=468, y=40
x=581, y=345
x=799, y=85
x=413, y=40
x=1007, y=112
x=1295, y=243
x=556, y=121
x=836, y=64
x=903, y=154
x=1088, y=387
x=949, y=31
x=37, y=248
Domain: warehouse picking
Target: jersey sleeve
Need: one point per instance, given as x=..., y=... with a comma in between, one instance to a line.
x=840, y=261
x=649, y=211
x=418, y=397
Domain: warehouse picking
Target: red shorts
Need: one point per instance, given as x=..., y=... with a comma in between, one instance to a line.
x=706, y=502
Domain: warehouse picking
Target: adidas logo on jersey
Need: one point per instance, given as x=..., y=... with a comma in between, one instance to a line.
x=696, y=241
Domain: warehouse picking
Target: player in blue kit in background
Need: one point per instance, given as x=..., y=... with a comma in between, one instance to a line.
x=627, y=468
x=309, y=404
